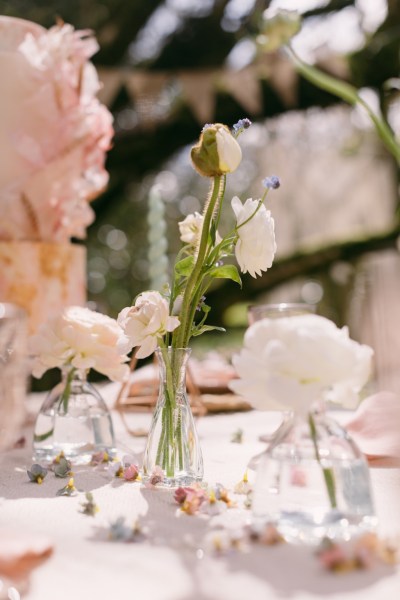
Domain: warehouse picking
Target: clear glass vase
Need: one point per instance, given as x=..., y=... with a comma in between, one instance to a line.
x=173, y=443
x=313, y=482
x=73, y=419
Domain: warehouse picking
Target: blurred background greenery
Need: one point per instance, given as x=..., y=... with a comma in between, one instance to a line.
x=167, y=65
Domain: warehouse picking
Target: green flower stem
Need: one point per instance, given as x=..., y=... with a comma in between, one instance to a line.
x=183, y=331
x=259, y=205
x=64, y=398
x=327, y=472
x=170, y=445
x=221, y=195
x=345, y=91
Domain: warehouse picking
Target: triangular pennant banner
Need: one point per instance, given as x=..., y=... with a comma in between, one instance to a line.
x=145, y=90
x=111, y=82
x=199, y=92
x=245, y=88
x=283, y=79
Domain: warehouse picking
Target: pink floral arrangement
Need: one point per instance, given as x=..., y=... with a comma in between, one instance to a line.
x=54, y=134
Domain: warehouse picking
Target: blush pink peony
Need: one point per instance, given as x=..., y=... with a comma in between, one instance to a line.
x=54, y=134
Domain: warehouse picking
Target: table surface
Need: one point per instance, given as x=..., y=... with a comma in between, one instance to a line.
x=167, y=563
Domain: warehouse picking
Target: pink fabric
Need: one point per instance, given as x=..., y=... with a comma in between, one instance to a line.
x=375, y=427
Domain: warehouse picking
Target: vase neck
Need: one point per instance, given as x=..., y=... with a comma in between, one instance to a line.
x=73, y=375
x=173, y=363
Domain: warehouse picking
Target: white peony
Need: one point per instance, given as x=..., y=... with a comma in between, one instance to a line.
x=290, y=362
x=190, y=228
x=229, y=151
x=147, y=321
x=255, y=248
x=83, y=339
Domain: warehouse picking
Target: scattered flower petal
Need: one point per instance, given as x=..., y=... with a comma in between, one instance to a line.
x=89, y=507
x=120, y=532
x=37, y=473
x=237, y=437
x=156, y=477
x=243, y=487
x=68, y=490
x=62, y=468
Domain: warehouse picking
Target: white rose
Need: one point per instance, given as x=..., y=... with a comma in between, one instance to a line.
x=229, y=151
x=190, y=228
x=83, y=339
x=256, y=246
x=146, y=322
x=288, y=363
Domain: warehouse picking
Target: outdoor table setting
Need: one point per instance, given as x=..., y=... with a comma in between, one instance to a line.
x=272, y=473
x=172, y=553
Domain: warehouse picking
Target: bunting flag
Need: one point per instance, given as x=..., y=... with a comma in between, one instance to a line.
x=145, y=89
x=111, y=82
x=283, y=79
x=245, y=87
x=199, y=88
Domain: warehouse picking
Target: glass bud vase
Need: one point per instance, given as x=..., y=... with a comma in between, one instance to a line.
x=313, y=483
x=173, y=443
x=73, y=419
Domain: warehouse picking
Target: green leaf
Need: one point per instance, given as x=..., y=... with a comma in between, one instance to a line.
x=205, y=328
x=226, y=272
x=185, y=266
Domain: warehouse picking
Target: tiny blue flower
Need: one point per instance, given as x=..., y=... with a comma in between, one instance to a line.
x=271, y=183
x=240, y=125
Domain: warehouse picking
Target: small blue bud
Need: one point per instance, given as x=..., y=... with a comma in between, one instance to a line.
x=240, y=125
x=271, y=183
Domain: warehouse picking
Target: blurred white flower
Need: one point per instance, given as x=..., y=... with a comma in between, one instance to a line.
x=190, y=228
x=83, y=339
x=147, y=322
x=288, y=363
x=255, y=248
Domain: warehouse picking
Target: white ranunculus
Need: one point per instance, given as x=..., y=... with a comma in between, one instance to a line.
x=190, y=228
x=83, y=339
x=255, y=248
x=229, y=151
x=290, y=362
x=146, y=322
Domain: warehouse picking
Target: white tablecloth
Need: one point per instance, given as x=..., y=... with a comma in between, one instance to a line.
x=167, y=565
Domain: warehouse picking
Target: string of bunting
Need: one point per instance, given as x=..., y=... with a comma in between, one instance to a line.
x=198, y=88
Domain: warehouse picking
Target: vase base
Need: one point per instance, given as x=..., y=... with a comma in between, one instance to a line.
x=76, y=457
x=175, y=482
x=302, y=528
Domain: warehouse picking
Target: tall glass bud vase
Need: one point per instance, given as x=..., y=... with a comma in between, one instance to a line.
x=173, y=444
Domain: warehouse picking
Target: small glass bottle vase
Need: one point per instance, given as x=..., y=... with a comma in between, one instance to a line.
x=73, y=419
x=313, y=482
x=173, y=443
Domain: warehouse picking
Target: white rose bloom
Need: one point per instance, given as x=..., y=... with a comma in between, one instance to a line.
x=147, y=321
x=290, y=362
x=229, y=151
x=190, y=228
x=256, y=246
x=83, y=339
